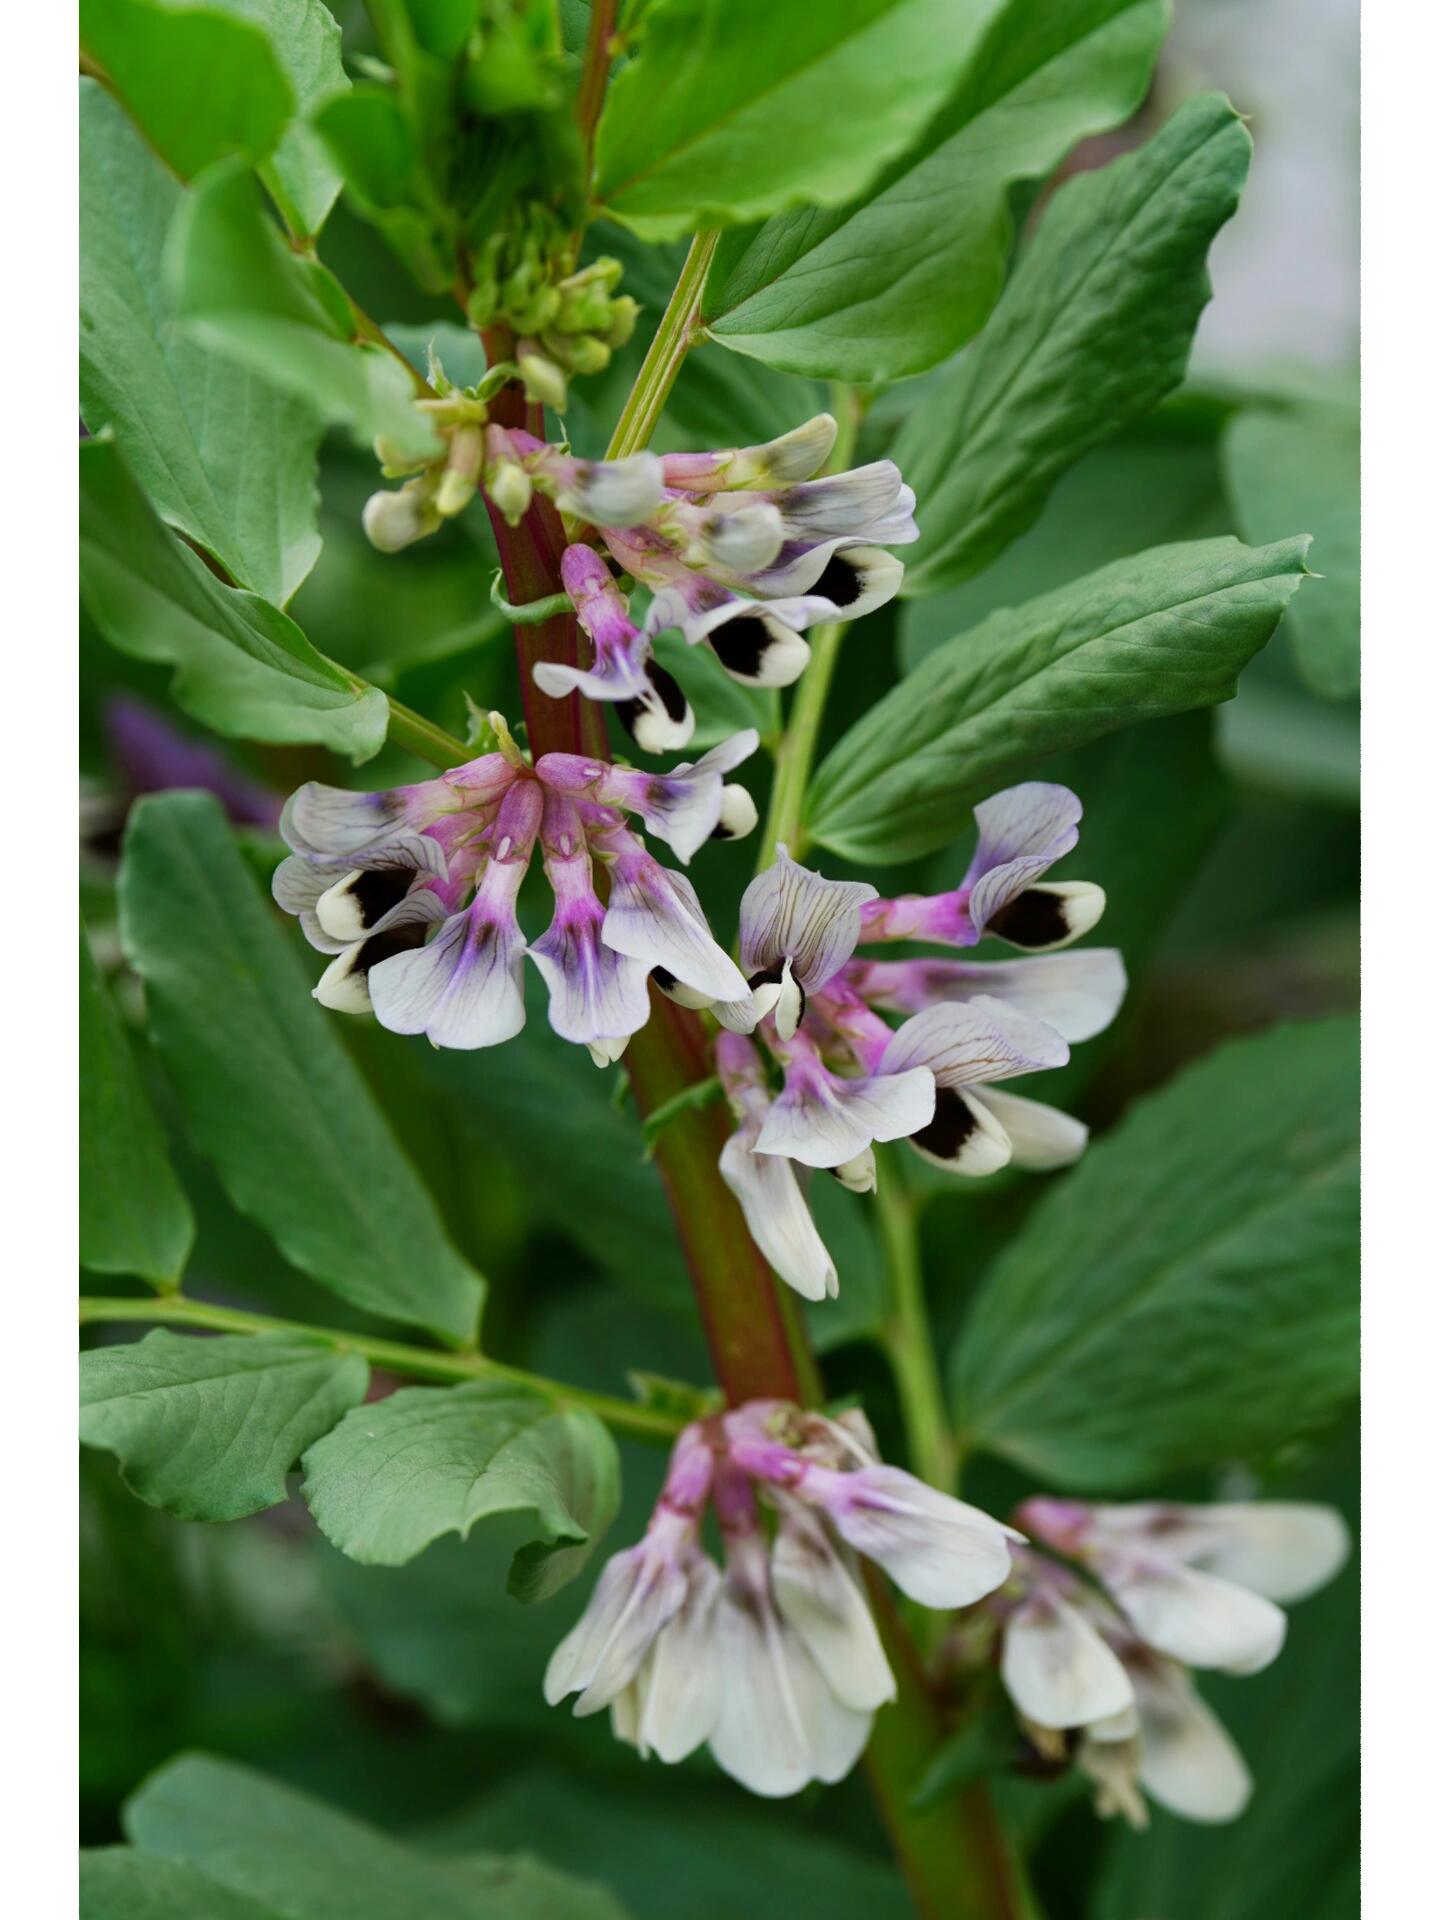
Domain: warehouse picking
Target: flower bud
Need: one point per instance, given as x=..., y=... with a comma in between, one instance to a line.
x=462, y=471
x=509, y=486
x=545, y=382
x=397, y=519
x=623, y=314
x=586, y=353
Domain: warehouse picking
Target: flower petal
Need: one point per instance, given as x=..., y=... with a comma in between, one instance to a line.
x=1057, y=1669
x=1283, y=1549
x=777, y=1216
x=823, y=1121
x=655, y=917
x=820, y=1598
x=938, y=1550
x=464, y=989
x=1194, y=1617
x=1078, y=994
x=974, y=1043
x=1041, y=1137
x=1188, y=1762
x=963, y=1136
x=789, y=912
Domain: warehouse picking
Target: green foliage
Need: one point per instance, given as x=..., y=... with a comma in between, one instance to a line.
x=305, y=40
x=241, y=665
x=1302, y=467
x=242, y=293
x=269, y=1093
x=209, y=1428
x=1092, y=330
x=186, y=423
x=116, y=1883
x=894, y=281
x=296, y=1856
x=201, y=81
x=1187, y=1294
x=732, y=110
x=433, y=1460
x=1138, y=640
x=134, y=1217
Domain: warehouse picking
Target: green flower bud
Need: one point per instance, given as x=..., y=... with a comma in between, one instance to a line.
x=544, y=379
x=623, y=314
x=508, y=485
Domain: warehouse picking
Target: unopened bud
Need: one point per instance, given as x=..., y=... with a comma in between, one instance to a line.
x=586, y=310
x=509, y=486
x=587, y=353
x=396, y=459
x=624, y=312
x=462, y=471
x=397, y=519
x=545, y=382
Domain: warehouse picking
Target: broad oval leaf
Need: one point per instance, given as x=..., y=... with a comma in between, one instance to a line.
x=309, y=1861
x=200, y=83
x=208, y=1427
x=735, y=109
x=1302, y=467
x=894, y=281
x=427, y=1461
x=241, y=665
x=117, y=1883
x=1187, y=1295
x=1139, y=639
x=305, y=39
x=134, y=1217
x=187, y=421
x=268, y=1091
x=1092, y=330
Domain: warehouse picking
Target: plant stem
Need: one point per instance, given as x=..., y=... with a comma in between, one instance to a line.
x=595, y=74
x=646, y=1423
x=423, y=738
x=909, y=1344
x=674, y=338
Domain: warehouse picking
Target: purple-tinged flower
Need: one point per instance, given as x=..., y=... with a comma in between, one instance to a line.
x=611, y=493
x=1023, y=832
x=796, y=455
x=824, y=1120
x=777, y=1664
x=1057, y=1667
x=1152, y=1561
x=1078, y=994
x=414, y=893
x=766, y=1184
x=649, y=704
x=975, y=1129
x=797, y=929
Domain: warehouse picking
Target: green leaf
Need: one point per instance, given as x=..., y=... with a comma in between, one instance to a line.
x=309, y=1861
x=269, y=1092
x=1302, y=469
x=242, y=666
x=305, y=40
x=1092, y=330
x=208, y=1428
x=733, y=110
x=1294, y=1853
x=242, y=292
x=202, y=85
x=188, y=424
x=1187, y=1294
x=896, y=280
x=1139, y=639
x=428, y=1461
x=134, y=1217
x=117, y=1883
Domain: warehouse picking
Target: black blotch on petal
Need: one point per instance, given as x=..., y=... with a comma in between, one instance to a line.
x=1035, y=918
x=952, y=1126
x=839, y=582
x=384, y=946
x=772, y=976
x=669, y=690
x=741, y=645
x=376, y=891
x=663, y=978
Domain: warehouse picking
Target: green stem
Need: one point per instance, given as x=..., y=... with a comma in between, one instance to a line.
x=646, y=1423
x=674, y=338
x=422, y=737
x=908, y=1342
x=595, y=74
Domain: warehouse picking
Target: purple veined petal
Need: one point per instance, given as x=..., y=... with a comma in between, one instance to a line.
x=1187, y=1760
x=791, y=913
x=1283, y=1549
x=638, y=1591
x=1192, y=1616
x=942, y=918
x=975, y=1043
x=598, y=997
x=613, y=493
x=655, y=917
x=464, y=989
x=936, y=1549
x=681, y=1683
x=333, y=826
x=819, y=1597
x=296, y=886
x=1023, y=832
x=841, y=503
x=1057, y=1669
x=1042, y=1138
x=793, y=456
x=1078, y=994
x=779, y=1726
x=822, y=1120
x=777, y=1215
x=684, y=806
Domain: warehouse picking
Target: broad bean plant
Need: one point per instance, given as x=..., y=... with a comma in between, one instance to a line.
x=648, y=646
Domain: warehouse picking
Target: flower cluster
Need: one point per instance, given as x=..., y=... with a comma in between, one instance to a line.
x=775, y=1662
x=1099, y=1668
x=414, y=892
x=849, y=1079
